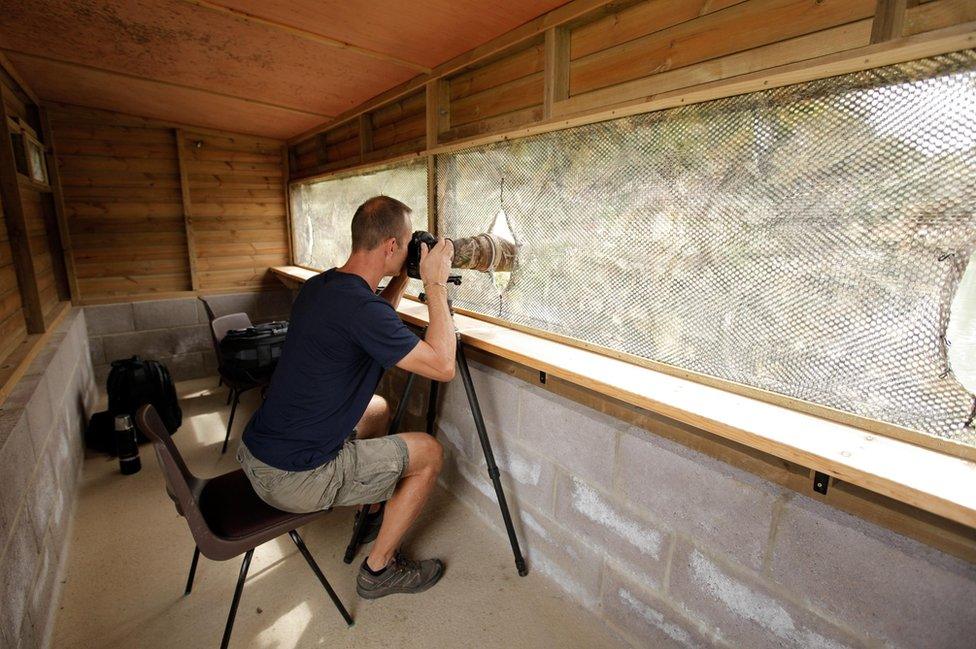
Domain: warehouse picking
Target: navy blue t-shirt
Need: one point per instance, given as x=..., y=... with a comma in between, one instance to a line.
x=341, y=338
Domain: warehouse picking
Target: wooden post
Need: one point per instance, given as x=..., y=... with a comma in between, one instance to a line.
x=889, y=20
x=59, y=211
x=432, y=194
x=556, y=69
x=365, y=136
x=191, y=248
x=285, y=179
x=438, y=110
x=17, y=228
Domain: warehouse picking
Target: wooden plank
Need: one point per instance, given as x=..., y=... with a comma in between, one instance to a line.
x=13, y=206
x=111, y=267
x=631, y=22
x=744, y=26
x=889, y=20
x=556, y=69
x=510, y=67
x=810, y=46
x=515, y=95
x=85, y=164
x=9, y=68
x=27, y=347
x=496, y=124
x=414, y=145
x=410, y=128
x=396, y=111
x=191, y=250
x=129, y=285
x=938, y=15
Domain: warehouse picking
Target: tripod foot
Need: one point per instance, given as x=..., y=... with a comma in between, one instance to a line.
x=520, y=566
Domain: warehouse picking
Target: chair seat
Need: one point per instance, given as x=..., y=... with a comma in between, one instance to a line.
x=233, y=510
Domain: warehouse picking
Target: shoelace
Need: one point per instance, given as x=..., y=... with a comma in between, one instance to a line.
x=407, y=564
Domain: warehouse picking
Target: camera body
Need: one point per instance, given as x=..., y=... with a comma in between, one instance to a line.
x=413, y=251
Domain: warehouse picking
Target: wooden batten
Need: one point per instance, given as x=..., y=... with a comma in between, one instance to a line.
x=889, y=20
x=556, y=68
x=187, y=207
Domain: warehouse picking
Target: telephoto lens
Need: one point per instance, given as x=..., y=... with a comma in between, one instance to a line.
x=126, y=446
x=484, y=252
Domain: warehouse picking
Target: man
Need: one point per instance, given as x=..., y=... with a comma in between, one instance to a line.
x=318, y=439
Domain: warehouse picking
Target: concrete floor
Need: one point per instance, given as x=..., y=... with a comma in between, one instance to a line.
x=130, y=553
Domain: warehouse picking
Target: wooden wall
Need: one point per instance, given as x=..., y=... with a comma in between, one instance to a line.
x=237, y=204
x=148, y=218
x=591, y=60
x=13, y=326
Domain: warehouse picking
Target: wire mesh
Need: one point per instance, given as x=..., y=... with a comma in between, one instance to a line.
x=322, y=211
x=805, y=240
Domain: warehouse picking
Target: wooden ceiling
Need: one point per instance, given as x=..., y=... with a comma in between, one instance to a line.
x=266, y=67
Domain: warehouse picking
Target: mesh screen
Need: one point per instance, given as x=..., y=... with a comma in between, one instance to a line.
x=805, y=240
x=322, y=210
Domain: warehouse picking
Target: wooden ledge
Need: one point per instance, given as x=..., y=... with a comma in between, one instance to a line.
x=936, y=482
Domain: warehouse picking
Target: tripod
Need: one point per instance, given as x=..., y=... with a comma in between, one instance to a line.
x=479, y=422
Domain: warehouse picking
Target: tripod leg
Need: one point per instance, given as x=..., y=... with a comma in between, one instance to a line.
x=479, y=423
x=432, y=407
x=359, y=525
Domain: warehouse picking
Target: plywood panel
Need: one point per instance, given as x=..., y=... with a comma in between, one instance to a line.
x=237, y=234
x=122, y=205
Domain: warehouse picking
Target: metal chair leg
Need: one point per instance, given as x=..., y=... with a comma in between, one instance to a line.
x=230, y=420
x=193, y=571
x=230, y=395
x=318, y=573
x=237, y=599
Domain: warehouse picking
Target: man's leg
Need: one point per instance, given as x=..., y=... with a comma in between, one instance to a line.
x=374, y=423
x=426, y=457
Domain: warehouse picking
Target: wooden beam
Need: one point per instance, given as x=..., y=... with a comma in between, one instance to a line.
x=191, y=249
x=306, y=35
x=57, y=197
x=161, y=82
x=556, y=71
x=889, y=20
x=13, y=208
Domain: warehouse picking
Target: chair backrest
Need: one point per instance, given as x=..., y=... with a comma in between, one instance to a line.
x=182, y=486
x=220, y=326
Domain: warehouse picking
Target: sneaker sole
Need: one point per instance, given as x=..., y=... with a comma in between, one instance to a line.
x=378, y=593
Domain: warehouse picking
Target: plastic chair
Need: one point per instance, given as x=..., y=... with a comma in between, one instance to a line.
x=225, y=516
x=237, y=383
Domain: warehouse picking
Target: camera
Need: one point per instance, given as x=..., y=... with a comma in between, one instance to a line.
x=484, y=252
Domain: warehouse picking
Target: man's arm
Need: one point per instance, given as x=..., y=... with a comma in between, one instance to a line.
x=396, y=288
x=433, y=357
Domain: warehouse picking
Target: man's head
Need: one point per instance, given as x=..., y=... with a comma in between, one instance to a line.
x=381, y=228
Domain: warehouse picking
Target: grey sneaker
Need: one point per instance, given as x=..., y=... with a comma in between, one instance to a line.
x=401, y=576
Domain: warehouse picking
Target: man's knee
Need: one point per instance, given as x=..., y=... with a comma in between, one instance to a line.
x=426, y=453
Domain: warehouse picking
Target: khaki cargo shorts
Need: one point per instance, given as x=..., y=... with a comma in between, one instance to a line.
x=364, y=471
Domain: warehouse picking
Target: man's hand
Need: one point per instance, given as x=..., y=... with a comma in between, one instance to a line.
x=435, y=264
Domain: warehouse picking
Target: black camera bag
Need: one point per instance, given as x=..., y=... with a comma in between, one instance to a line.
x=133, y=382
x=253, y=353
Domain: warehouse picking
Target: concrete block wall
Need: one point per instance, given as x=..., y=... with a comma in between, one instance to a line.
x=42, y=425
x=174, y=332
x=672, y=547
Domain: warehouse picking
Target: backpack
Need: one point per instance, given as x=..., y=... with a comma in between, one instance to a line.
x=253, y=353
x=133, y=382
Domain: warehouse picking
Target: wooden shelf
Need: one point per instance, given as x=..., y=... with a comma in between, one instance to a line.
x=936, y=482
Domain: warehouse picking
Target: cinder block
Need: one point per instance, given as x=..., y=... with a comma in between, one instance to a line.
x=165, y=314
x=97, y=350
x=223, y=304
x=647, y=616
x=31, y=394
x=195, y=338
x=742, y=611
x=571, y=565
x=16, y=572
x=17, y=461
x=895, y=589
x=274, y=305
x=209, y=361
x=146, y=344
x=722, y=507
x=109, y=319
x=580, y=439
x=626, y=537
